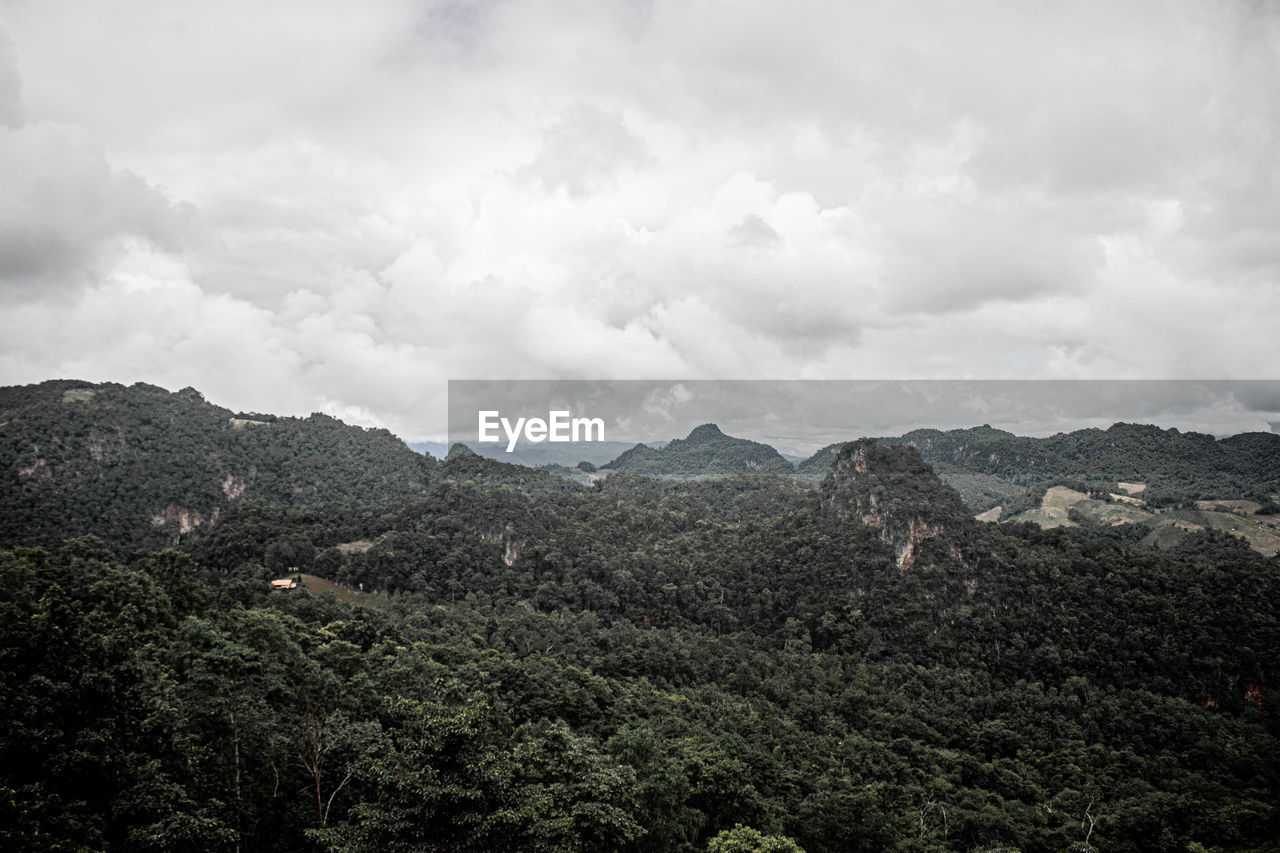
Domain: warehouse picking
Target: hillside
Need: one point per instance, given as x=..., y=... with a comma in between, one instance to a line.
x=1064, y=507
x=893, y=490
x=143, y=467
x=505, y=660
x=463, y=465
x=705, y=452
x=1175, y=465
x=992, y=468
x=565, y=453
x=776, y=622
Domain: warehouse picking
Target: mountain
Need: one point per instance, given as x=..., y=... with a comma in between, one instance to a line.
x=505, y=660
x=142, y=467
x=705, y=452
x=566, y=453
x=1173, y=464
x=816, y=466
x=990, y=466
x=464, y=465
x=893, y=490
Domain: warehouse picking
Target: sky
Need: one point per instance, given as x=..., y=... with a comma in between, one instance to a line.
x=803, y=416
x=338, y=207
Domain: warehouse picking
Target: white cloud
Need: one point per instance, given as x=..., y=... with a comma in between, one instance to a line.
x=63, y=206
x=11, y=110
x=348, y=205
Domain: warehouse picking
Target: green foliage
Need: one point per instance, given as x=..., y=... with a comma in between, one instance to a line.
x=744, y=839
x=991, y=467
x=144, y=469
x=648, y=665
x=1175, y=465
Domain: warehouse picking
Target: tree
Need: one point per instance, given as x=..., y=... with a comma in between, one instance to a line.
x=744, y=839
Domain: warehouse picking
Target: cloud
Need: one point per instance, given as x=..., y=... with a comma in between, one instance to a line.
x=389, y=195
x=11, y=111
x=955, y=257
x=752, y=232
x=803, y=416
x=64, y=207
x=65, y=211
x=583, y=152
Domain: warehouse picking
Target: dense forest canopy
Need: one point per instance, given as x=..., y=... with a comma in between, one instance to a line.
x=1174, y=465
x=143, y=467
x=489, y=657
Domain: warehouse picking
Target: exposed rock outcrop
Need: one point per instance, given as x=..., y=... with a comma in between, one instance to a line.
x=188, y=519
x=892, y=489
x=233, y=487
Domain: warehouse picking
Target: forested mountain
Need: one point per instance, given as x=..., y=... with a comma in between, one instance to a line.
x=705, y=452
x=559, y=453
x=1174, y=465
x=992, y=468
x=747, y=663
x=142, y=467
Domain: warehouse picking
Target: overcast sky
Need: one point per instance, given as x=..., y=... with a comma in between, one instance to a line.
x=309, y=206
x=801, y=417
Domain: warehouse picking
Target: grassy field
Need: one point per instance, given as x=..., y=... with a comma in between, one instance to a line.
x=1261, y=538
x=1240, y=507
x=1112, y=514
x=1167, y=528
x=320, y=586
x=1054, y=508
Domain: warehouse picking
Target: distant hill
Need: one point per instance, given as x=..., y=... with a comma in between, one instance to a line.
x=705, y=452
x=980, y=491
x=1064, y=507
x=463, y=465
x=817, y=465
x=1173, y=465
x=437, y=449
x=567, y=453
x=142, y=467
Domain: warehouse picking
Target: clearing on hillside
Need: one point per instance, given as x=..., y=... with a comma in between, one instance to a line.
x=319, y=586
x=1054, y=508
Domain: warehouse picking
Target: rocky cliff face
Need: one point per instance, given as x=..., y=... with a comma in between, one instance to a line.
x=892, y=489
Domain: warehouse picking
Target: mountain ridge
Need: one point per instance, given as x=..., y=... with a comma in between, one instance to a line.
x=645, y=664
x=152, y=466
x=705, y=452
x=76, y=450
